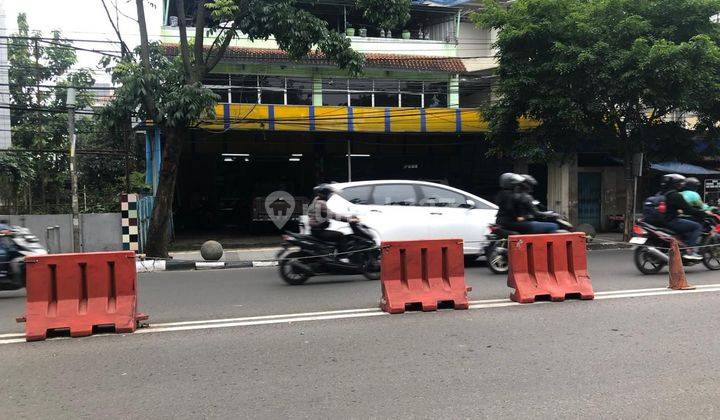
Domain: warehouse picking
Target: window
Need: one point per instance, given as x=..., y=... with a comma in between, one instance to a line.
x=357, y=195
x=411, y=94
x=272, y=90
x=361, y=92
x=244, y=88
x=223, y=94
x=335, y=92
x=386, y=93
x=436, y=95
x=394, y=195
x=299, y=91
x=440, y=197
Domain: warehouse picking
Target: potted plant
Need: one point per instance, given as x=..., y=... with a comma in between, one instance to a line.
x=405, y=34
x=350, y=31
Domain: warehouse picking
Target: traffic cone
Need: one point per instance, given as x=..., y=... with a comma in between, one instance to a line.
x=677, y=270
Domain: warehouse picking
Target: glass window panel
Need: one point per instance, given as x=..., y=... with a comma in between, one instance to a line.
x=440, y=197
x=436, y=95
x=244, y=80
x=411, y=100
x=216, y=80
x=244, y=95
x=223, y=94
x=335, y=84
x=357, y=195
x=335, y=92
x=361, y=99
x=386, y=99
x=361, y=85
x=411, y=87
x=299, y=91
x=272, y=89
x=394, y=195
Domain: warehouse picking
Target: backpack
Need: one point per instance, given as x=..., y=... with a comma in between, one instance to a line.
x=655, y=208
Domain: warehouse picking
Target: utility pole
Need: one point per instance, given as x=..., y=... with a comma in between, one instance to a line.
x=70, y=103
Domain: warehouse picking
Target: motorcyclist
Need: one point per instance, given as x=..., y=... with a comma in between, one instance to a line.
x=517, y=210
x=689, y=230
x=691, y=196
x=319, y=216
x=4, y=247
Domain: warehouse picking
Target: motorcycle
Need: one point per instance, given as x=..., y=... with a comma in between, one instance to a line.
x=16, y=243
x=652, y=252
x=317, y=257
x=496, y=250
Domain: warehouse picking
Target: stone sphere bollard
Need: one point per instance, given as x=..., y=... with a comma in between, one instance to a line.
x=211, y=251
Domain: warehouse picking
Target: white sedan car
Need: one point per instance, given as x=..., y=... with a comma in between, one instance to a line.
x=412, y=210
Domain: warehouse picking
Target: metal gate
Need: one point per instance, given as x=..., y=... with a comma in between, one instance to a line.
x=589, y=197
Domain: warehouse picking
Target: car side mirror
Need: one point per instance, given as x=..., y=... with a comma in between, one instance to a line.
x=469, y=204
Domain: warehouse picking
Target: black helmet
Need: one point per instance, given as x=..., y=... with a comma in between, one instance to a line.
x=672, y=182
x=510, y=180
x=324, y=190
x=529, y=180
x=692, y=184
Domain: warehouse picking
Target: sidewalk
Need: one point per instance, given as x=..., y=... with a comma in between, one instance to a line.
x=244, y=254
x=260, y=253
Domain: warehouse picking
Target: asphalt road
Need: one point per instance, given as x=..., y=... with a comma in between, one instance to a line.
x=648, y=356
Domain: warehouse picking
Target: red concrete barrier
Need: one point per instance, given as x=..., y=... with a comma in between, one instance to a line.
x=79, y=292
x=553, y=266
x=424, y=273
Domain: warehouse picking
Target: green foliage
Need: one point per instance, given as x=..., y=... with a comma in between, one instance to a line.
x=39, y=75
x=178, y=103
x=387, y=14
x=614, y=69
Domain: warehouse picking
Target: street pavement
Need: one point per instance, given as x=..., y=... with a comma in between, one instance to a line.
x=637, y=354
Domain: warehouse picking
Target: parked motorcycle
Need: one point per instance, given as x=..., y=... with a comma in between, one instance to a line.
x=16, y=243
x=652, y=252
x=496, y=250
x=304, y=256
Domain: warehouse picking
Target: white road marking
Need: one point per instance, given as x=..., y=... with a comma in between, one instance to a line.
x=363, y=313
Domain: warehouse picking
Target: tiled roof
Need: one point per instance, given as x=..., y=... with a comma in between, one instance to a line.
x=372, y=60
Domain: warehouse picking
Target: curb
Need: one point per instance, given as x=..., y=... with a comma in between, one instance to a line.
x=151, y=266
x=599, y=246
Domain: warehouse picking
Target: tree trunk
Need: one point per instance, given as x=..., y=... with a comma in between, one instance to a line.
x=629, y=193
x=159, y=230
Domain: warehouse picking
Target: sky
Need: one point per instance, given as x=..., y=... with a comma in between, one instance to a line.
x=84, y=19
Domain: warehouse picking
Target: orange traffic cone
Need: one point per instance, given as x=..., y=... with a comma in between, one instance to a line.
x=677, y=271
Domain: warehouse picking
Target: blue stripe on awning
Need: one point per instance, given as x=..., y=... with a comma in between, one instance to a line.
x=311, y=117
x=423, y=120
x=350, y=119
x=458, y=120
x=226, y=116
x=271, y=116
x=387, y=120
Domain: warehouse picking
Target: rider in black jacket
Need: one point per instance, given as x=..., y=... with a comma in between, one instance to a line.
x=677, y=207
x=516, y=209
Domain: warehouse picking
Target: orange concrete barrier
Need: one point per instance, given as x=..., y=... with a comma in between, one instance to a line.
x=550, y=266
x=77, y=292
x=423, y=273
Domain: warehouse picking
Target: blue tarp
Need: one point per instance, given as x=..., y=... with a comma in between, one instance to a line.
x=682, y=168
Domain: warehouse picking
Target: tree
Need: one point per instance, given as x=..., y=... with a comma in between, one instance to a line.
x=40, y=71
x=170, y=93
x=593, y=70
